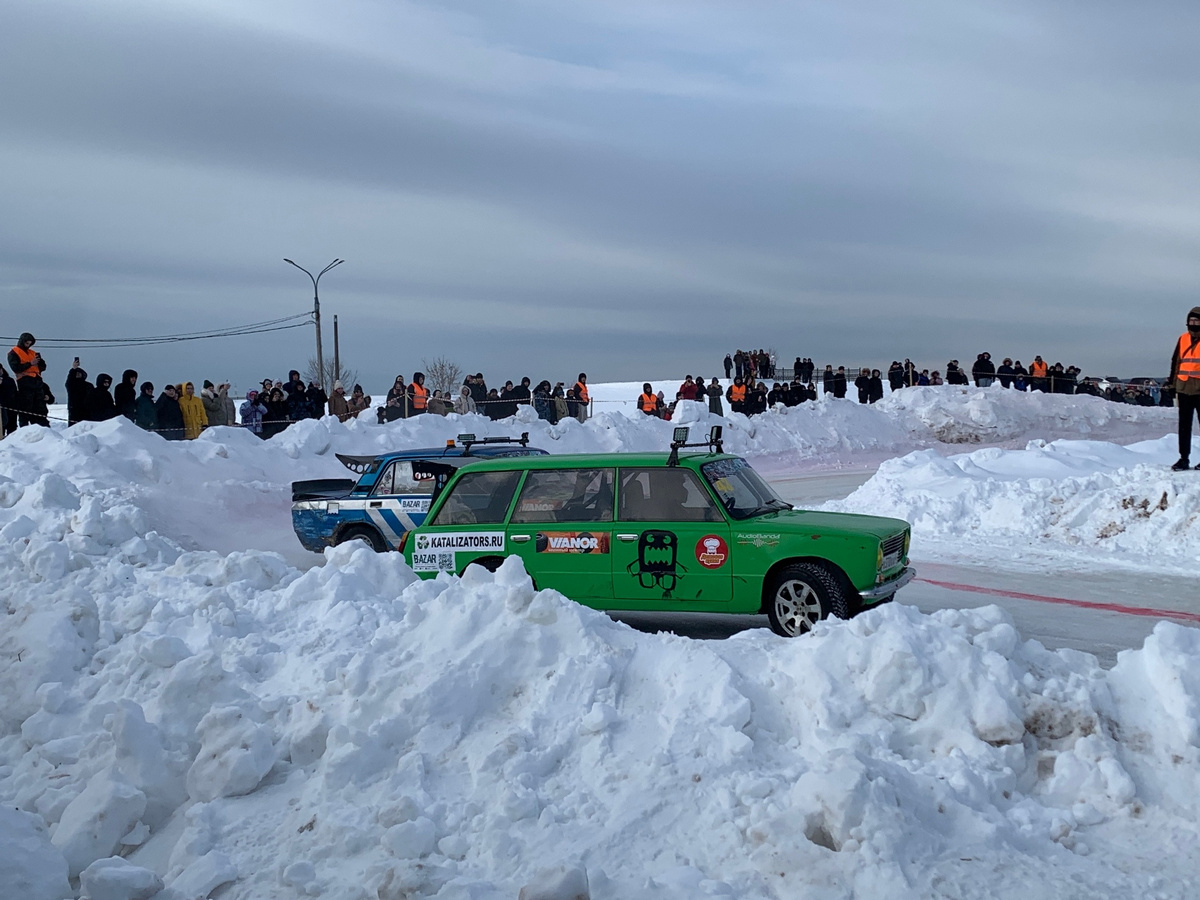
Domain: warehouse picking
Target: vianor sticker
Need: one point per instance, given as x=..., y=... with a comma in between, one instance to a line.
x=461, y=540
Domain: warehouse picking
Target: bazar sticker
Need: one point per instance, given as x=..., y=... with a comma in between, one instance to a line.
x=434, y=561
x=712, y=551
x=414, y=504
x=571, y=542
x=461, y=540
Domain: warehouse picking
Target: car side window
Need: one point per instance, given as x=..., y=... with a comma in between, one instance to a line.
x=566, y=495
x=478, y=498
x=664, y=495
x=398, y=478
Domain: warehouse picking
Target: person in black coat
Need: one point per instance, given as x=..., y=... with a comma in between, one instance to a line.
x=317, y=400
x=79, y=394
x=839, y=382
x=102, y=408
x=145, y=410
x=126, y=395
x=8, y=403
x=863, y=383
x=896, y=375
x=827, y=380
x=169, y=414
x=984, y=370
x=276, y=419
x=874, y=387
x=1005, y=373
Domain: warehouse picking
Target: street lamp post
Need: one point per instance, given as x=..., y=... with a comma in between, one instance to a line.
x=317, y=312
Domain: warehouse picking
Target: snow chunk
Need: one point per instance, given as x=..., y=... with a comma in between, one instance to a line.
x=235, y=755
x=204, y=876
x=93, y=823
x=31, y=867
x=562, y=883
x=116, y=879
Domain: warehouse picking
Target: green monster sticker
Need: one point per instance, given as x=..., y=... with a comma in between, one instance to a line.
x=657, y=564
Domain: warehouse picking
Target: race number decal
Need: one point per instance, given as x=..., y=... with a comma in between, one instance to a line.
x=711, y=551
x=434, y=561
x=462, y=540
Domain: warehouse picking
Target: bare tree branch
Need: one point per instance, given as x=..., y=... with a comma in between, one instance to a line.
x=442, y=374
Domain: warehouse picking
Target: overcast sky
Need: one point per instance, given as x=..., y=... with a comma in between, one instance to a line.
x=628, y=188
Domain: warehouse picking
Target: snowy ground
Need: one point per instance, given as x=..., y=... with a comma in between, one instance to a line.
x=183, y=708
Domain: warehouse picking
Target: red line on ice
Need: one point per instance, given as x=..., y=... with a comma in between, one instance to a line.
x=1065, y=601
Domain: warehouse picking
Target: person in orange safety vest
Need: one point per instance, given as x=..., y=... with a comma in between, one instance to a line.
x=1185, y=378
x=418, y=395
x=32, y=394
x=648, y=402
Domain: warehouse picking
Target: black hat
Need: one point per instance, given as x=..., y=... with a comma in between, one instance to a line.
x=207, y=383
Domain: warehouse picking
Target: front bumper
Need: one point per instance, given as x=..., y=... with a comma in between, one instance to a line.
x=885, y=590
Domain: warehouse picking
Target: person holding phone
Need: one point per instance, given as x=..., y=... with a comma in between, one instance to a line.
x=28, y=367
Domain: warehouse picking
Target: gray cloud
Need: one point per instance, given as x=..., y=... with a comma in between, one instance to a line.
x=625, y=188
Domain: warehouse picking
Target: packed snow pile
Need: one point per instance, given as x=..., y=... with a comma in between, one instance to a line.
x=186, y=716
x=1078, y=496
x=349, y=731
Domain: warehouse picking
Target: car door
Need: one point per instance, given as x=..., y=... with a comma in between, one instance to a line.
x=399, y=501
x=469, y=524
x=561, y=527
x=671, y=545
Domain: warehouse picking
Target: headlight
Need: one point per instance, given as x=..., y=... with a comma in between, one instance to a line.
x=879, y=558
x=309, y=504
x=907, y=541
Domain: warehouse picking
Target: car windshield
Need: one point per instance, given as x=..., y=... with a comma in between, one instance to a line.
x=740, y=489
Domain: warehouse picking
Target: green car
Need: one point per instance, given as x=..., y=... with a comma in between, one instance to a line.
x=694, y=532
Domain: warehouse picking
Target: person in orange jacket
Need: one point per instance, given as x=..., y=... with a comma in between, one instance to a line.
x=1185, y=378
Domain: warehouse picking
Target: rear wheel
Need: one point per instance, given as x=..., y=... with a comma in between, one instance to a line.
x=801, y=595
x=368, y=536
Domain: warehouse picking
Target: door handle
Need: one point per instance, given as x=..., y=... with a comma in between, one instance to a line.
x=376, y=504
x=627, y=537
x=520, y=538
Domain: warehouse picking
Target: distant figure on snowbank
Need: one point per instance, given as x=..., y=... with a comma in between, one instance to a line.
x=1185, y=377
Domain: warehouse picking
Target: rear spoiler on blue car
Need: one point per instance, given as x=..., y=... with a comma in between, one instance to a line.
x=359, y=465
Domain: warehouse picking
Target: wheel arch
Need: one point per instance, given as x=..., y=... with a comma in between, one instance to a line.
x=339, y=533
x=831, y=567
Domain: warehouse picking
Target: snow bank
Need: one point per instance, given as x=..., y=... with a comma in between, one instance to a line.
x=1064, y=497
x=184, y=710
x=230, y=491
x=350, y=731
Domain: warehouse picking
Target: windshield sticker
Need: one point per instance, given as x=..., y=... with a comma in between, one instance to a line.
x=414, y=504
x=657, y=563
x=723, y=467
x=461, y=540
x=434, y=561
x=759, y=540
x=571, y=542
x=712, y=551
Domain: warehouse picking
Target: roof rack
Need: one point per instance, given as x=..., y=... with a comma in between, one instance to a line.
x=467, y=441
x=714, y=442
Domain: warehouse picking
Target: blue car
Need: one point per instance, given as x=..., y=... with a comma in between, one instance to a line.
x=391, y=495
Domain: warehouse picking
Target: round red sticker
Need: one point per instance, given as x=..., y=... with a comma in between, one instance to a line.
x=712, y=551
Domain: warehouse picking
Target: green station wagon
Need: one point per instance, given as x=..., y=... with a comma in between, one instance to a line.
x=692, y=532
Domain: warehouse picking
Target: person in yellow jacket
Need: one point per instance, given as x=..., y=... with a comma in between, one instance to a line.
x=1185, y=378
x=192, y=407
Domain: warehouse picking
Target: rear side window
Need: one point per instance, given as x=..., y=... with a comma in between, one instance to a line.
x=665, y=495
x=566, y=495
x=398, y=478
x=478, y=498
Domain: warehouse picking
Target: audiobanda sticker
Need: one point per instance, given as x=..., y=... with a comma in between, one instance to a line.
x=712, y=551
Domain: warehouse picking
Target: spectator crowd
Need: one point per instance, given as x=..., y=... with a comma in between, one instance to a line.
x=754, y=384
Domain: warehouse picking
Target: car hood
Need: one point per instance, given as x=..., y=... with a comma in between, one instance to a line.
x=807, y=520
